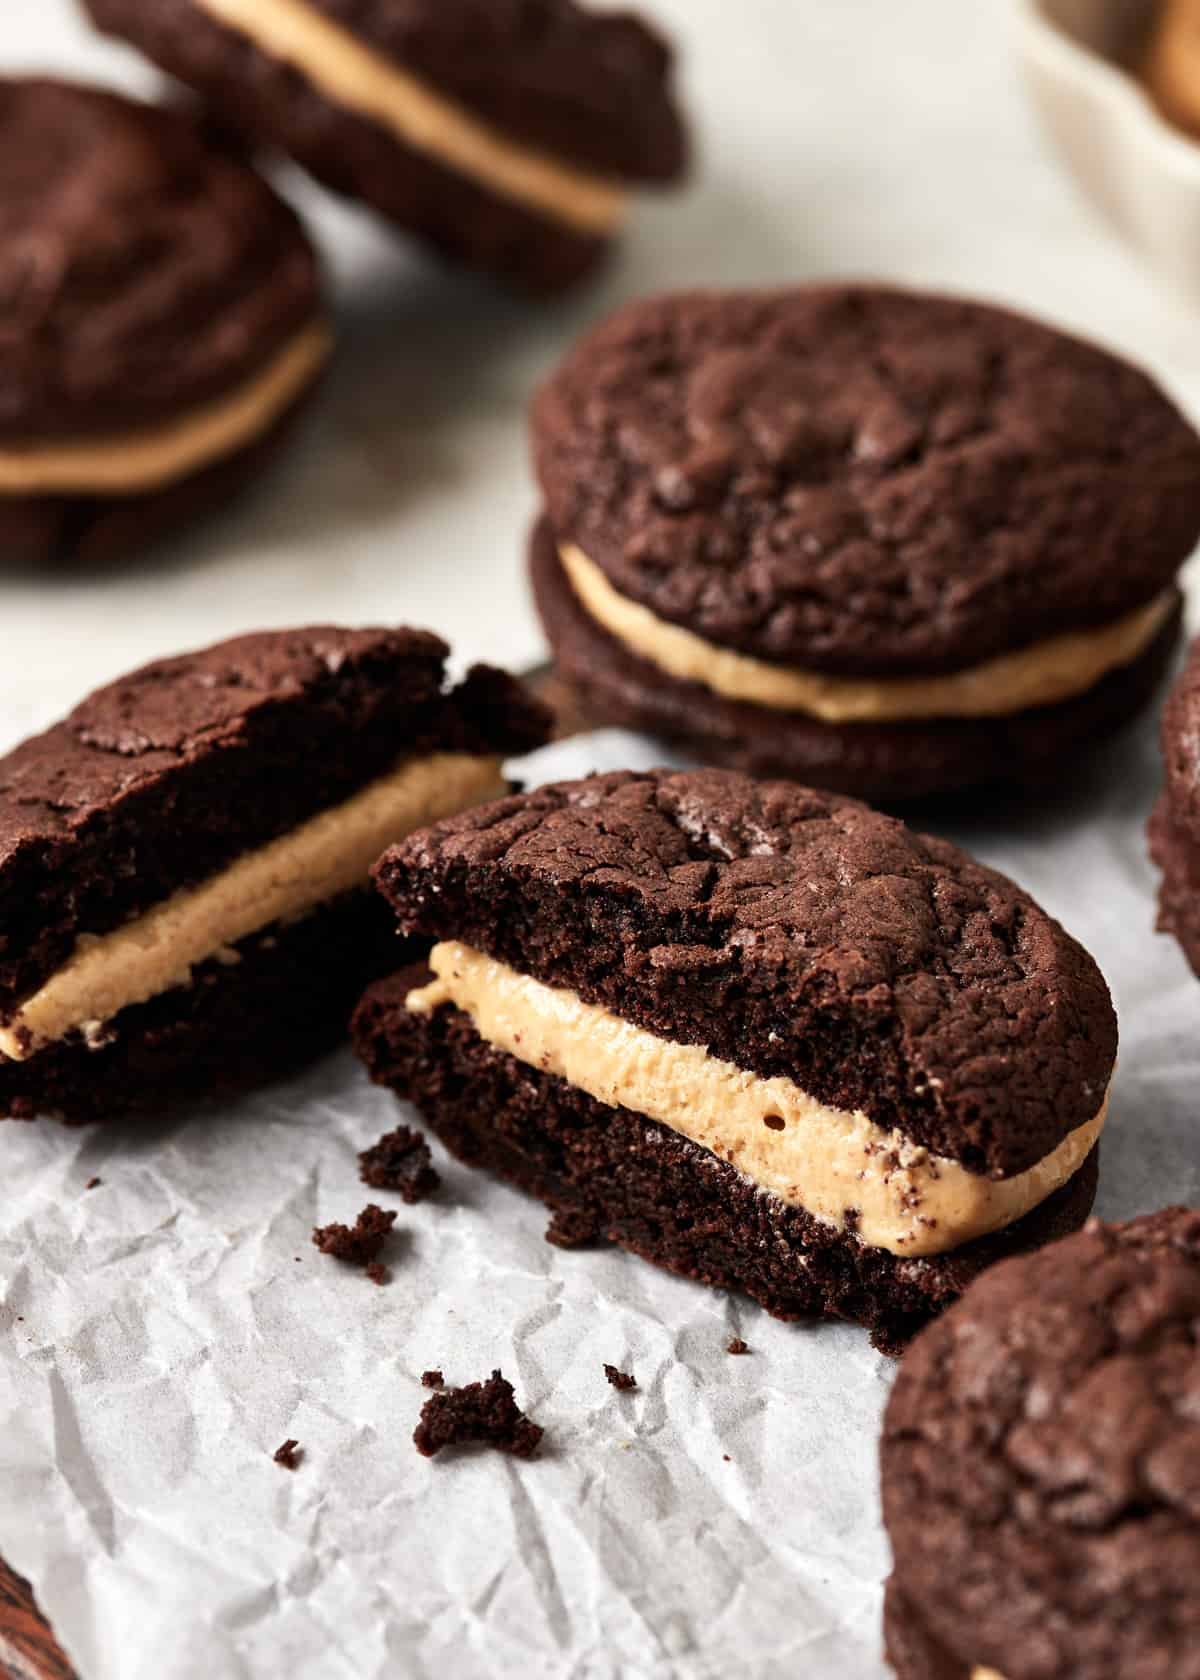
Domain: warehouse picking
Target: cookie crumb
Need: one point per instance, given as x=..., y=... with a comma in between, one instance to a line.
x=620, y=1379
x=378, y=1273
x=432, y=1379
x=737, y=1345
x=400, y=1161
x=289, y=1454
x=483, y=1412
x=93, y=1184
x=727, y=1458
x=360, y=1244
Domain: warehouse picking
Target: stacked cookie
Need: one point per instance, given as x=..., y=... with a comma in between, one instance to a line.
x=162, y=321
x=184, y=859
x=509, y=134
x=888, y=543
x=763, y=1036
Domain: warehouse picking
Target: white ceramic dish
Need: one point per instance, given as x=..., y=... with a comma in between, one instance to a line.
x=1141, y=173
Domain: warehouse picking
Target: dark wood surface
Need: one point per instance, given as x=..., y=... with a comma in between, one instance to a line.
x=28, y=1649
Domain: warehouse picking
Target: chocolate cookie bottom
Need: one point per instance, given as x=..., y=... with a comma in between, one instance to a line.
x=887, y=761
x=285, y=1000
x=612, y=1175
x=255, y=92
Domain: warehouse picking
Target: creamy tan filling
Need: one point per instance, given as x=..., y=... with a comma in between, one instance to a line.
x=825, y=1160
x=147, y=460
x=363, y=81
x=330, y=854
x=985, y=1674
x=1035, y=676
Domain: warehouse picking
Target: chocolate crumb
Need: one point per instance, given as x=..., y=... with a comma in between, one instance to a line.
x=93, y=1183
x=571, y=1228
x=620, y=1379
x=737, y=1345
x=727, y=1458
x=289, y=1454
x=432, y=1379
x=378, y=1273
x=483, y=1412
x=400, y=1161
x=358, y=1245
x=775, y=1122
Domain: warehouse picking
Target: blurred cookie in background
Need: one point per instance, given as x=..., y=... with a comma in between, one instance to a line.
x=161, y=322
x=509, y=134
x=887, y=543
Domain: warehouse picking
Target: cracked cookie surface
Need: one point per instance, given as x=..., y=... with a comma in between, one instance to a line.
x=864, y=481
x=792, y=932
x=1040, y=1464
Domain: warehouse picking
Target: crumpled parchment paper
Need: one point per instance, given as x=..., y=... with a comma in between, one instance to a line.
x=162, y=1333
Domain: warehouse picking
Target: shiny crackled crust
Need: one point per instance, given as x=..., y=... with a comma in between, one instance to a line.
x=864, y=481
x=143, y=271
x=162, y=777
x=1044, y=1435
x=792, y=932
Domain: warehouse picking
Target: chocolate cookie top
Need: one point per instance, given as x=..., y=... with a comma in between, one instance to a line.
x=142, y=271
x=166, y=775
x=794, y=933
x=593, y=88
x=865, y=481
x=1041, y=1460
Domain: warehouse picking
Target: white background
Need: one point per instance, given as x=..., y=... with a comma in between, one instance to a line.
x=157, y=1337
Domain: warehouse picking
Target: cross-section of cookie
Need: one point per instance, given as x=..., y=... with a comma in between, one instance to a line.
x=766, y=1037
x=185, y=903
x=508, y=134
x=888, y=543
x=162, y=322
x=1039, y=1467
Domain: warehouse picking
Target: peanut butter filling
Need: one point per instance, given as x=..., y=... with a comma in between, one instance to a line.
x=365, y=82
x=829, y=1161
x=148, y=460
x=1171, y=68
x=1041, y=675
x=328, y=855
x=985, y=1674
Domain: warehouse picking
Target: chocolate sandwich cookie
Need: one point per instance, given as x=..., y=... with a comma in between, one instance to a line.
x=889, y=543
x=507, y=133
x=1041, y=1478
x=185, y=904
x=161, y=317
x=766, y=1037
x=1175, y=823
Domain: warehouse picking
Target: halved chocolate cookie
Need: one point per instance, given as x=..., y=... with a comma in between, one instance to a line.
x=1041, y=1481
x=161, y=318
x=508, y=133
x=890, y=543
x=764, y=1036
x=184, y=859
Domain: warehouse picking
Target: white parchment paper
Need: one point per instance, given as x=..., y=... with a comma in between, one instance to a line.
x=163, y=1332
